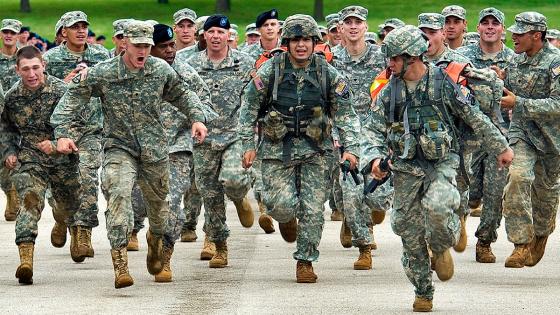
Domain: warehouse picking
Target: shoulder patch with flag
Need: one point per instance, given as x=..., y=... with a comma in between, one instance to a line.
x=379, y=83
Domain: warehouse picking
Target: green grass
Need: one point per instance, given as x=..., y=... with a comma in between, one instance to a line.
x=102, y=13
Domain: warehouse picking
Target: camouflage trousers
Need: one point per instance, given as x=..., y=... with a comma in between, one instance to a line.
x=283, y=201
x=120, y=171
x=257, y=180
x=463, y=184
x=32, y=181
x=425, y=216
x=487, y=181
x=138, y=208
x=219, y=172
x=90, y=162
x=531, y=193
x=5, y=179
x=335, y=193
x=356, y=213
x=192, y=200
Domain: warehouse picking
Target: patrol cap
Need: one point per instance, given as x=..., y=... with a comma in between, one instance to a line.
x=118, y=26
x=392, y=22
x=355, y=11
x=152, y=22
x=371, y=37
x=162, y=33
x=199, y=23
x=434, y=21
x=70, y=18
x=528, y=21
x=454, y=10
x=217, y=20
x=323, y=30
x=251, y=29
x=499, y=15
x=57, y=27
x=472, y=38
x=332, y=20
x=11, y=25
x=234, y=26
x=233, y=34
x=553, y=34
x=268, y=15
x=184, y=14
x=139, y=32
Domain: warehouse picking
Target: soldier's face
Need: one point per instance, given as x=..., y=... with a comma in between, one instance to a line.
x=185, y=30
x=165, y=51
x=525, y=42
x=454, y=27
x=76, y=34
x=334, y=36
x=554, y=42
x=118, y=40
x=32, y=72
x=490, y=30
x=354, y=29
x=9, y=38
x=216, y=39
x=436, y=40
x=135, y=55
x=269, y=30
x=301, y=48
x=252, y=39
x=396, y=64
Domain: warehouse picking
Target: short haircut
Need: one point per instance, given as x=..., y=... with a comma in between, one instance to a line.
x=28, y=52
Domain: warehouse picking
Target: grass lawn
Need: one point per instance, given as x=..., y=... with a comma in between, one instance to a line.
x=101, y=13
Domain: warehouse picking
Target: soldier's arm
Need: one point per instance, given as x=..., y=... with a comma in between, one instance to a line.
x=544, y=107
x=253, y=97
x=374, y=131
x=194, y=82
x=9, y=136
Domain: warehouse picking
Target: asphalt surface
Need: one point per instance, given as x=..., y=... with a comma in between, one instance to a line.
x=260, y=278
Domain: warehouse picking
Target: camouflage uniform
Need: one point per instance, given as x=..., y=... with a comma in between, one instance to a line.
x=217, y=162
x=256, y=50
x=426, y=195
x=25, y=122
x=60, y=62
x=486, y=180
x=304, y=163
x=532, y=191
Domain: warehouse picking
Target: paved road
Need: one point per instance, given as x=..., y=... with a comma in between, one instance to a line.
x=261, y=279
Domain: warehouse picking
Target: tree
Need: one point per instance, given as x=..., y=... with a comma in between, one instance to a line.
x=223, y=6
x=24, y=6
x=318, y=10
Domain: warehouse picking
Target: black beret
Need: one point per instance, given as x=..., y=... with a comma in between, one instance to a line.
x=272, y=14
x=162, y=33
x=217, y=20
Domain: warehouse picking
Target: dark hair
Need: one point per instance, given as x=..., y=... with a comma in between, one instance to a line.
x=28, y=52
x=100, y=37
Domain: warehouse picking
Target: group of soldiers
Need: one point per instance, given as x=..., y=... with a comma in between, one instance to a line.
x=421, y=120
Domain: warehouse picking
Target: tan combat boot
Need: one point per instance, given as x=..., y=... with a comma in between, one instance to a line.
x=377, y=217
x=443, y=265
x=24, y=272
x=188, y=236
x=220, y=257
x=133, y=245
x=58, y=235
x=519, y=257
x=476, y=207
x=265, y=220
x=364, y=261
x=537, y=247
x=337, y=215
x=154, y=259
x=84, y=241
x=76, y=257
x=208, y=249
x=373, y=244
x=166, y=275
x=345, y=235
x=462, y=242
x=484, y=253
x=12, y=205
x=288, y=230
x=304, y=272
x=120, y=264
x=422, y=305
x=244, y=212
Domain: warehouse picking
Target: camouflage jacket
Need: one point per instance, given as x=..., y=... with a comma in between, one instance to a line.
x=257, y=49
x=536, y=83
x=448, y=55
x=225, y=82
x=339, y=97
x=60, y=62
x=131, y=106
x=479, y=60
x=25, y=121
x=8, y=74
x=186, y=53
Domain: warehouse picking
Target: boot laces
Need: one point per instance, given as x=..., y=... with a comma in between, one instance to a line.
x=121, y=264
x=83, y=236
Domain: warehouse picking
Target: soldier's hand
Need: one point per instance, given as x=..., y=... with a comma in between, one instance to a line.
x=71, y=75
x=505, y=158
x=66, y=146
x=11, y=162
x=336, y=144
x=508, y=101
x=501, y=73
x=376, y=171
x=350, y=158
x=248, y=158
x=199, y=132
x=46, y=147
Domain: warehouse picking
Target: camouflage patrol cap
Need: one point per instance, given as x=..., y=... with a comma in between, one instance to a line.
x=139, y=32
x=234, y=26
x=405, y=40
x=152, y=22
x=323, y=30
x=355, y=11
x=371, y=37
x=70, y=18
x=553, y=34
x=332, y=20
x=184, y=14
x=454, y=10
x=57, y=27
x=199, y=23
x=300, y=25
x=233, y=34
x=472, y=38
x=11, y=25
x=119, y=25
x=392, y=22
x=499, y=15
x=251, y=29
x=528, y=21
x=434, y=21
